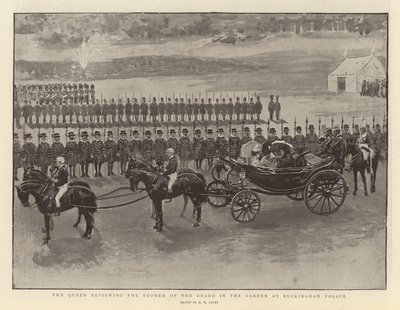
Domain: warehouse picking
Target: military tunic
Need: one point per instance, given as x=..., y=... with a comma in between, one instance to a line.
x=123, y=149
x=153, y=110
x=113, y=110
x=238, y=108
x=258, y=108
x=97, y=111
x=84, y=151
x=120, y=108
x=210, y=148
x=224, y=109
x=44, y=112
x=43, y=155
x=209, y=108
x=144, y=110
x=182, y=110
x=161, y=109
x=230, y=108
x=148, y=149
x=57, y=150
x=217, y=109
x=287, y=139
x=173, y=143
x=160, y=148
x=84, y=111
x=234, y=146
x=136, y=110
x=221, y=146
x=77, y=112
x=111, y=149
x=105, y=110
x=70, y=109
x=71, y=151
x=136, y=148
x=299, y=141
x=128, y=110
x=98, y=151
x=260, y=139
x=198, y=148
x=185, y=148
x=246, y=139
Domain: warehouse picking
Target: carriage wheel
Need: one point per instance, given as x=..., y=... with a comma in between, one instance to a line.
x=233, y=179
x=218, y=188
x=325, y=192
x=219, y=171
x=298, y=196
x=246, y=206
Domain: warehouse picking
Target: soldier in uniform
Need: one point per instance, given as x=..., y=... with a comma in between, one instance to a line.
x=64, y=111
x=28, y=152
x=38, y=111
x=98, y=152
x=57, y=148
x=271, y=107
x=185, y=148
x=312, y=144
x=123, y=148
x=251, y=109
x=272, y=137
x=25, y=112
x=221, y=144
x=113, y=110
x=148, y=147
x=136, y=145
x=17, y=113
x=70, y=109
x=50, y=111
x=379, y=140
x=92, y=93
x=299, y=141
x=154, y=109
x=189, y=111
x=202, y=108
x=128, y=110
x=172, y=142
x=161, y=109
x=277, y=108
x=57, y=111
x=217, y=109
x=30, y=112
x=111, y=150
x=77, y=112
x=175, y=109
x=84, y=151
x=160, y=148
x=144, y=109
x=169, y=109
x=136, y=109
x=338, y=146
x=209, y=109
x=238, y=108
x=234, y=144
x=198, y=148
x=71, y=152
x=43, y=153
x=97, y=110
x=230, y=109
x=258, y=136
x=246, y=136
x=84, y=111
x=120, y=108
x=210, y=148
x=286, y=137
x=196, y=109
x=356, y=133
x=44, y=110
x=16, y=156
x=346, y=135
x=105, y=110
x=182, y=109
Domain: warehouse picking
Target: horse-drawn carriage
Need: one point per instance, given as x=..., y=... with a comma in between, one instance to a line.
x=319, y=184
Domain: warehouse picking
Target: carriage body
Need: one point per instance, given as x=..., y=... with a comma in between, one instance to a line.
x=320, y=184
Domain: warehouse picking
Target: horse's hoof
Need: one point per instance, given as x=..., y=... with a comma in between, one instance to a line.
x=75, y=225
x=86, y=236
x=372, y=190
x=196, y=224
x=181, y=215
x=159, y=229
x=46, y=240
x=155, y=226
x=193, y=215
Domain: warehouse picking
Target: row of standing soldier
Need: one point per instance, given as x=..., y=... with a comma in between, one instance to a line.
x=133, y=112
x=199, y=148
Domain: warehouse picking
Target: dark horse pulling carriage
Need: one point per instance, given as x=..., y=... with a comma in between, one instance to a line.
x=319, y=184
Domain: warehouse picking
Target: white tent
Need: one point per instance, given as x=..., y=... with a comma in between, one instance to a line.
x=350, y=74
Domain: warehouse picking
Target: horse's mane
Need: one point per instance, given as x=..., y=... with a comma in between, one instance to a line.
x=139, y=163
